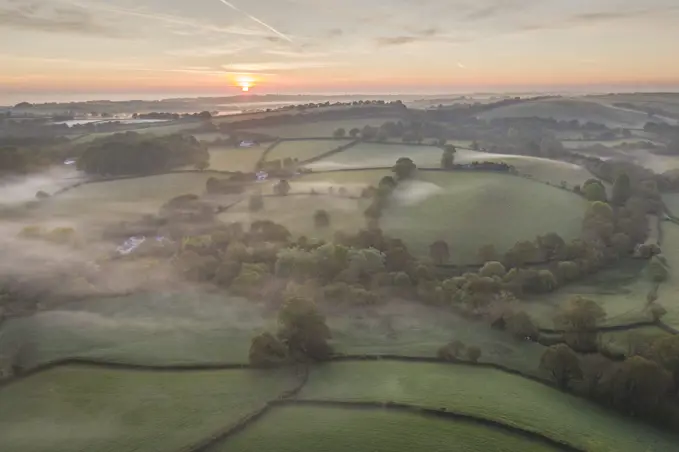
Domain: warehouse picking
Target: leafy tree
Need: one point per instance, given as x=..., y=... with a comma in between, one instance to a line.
x=267, y=351
x=353, y=133
x=202, y=165
x=594, y=190
x=404, y=169
x=621, y=243
x=552, y=245
x=387, y=183
x=562, y=362
x=340, y=133
x=439, y=252
x=473, y=354
x=282, y=188
x=475, y=146
x=303, y=329
x=492, y=269
x=522, y=253
x=451, y=351
x=369, y=132
x=568, y=270
x=640, y=385
x=622, y=190
x=580, y=318
x=666, y=352
x=547, y=281
x=321, y=219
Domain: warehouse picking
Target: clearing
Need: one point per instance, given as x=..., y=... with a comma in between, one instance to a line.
x=318, y=428
x=229, y=158
x=303, y=150
x=82, y=408
x=476, y=391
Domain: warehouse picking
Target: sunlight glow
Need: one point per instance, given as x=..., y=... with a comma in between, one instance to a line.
x=245, y=83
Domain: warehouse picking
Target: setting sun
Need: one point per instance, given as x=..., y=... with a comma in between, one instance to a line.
x=245, y=83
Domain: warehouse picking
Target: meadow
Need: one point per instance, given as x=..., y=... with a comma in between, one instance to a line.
x=318, y=128
x=80, y=408
x=303, y=149
x=568, y=109
x=304, y=428
x=229, y=158
x=490, y=394
x=669, y=290
x=156, y=129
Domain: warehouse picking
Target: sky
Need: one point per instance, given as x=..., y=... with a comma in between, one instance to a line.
x=60, y=48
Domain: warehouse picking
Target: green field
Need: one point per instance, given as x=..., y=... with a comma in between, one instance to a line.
x=669, y=290
x=489, y=394
x=469, y=210
x=569, y=109
x=157, y=130
x=295, y=429
x=304, y=149
x=228, y=158
x=81, y=408
x=160, y=329
x=671, y=200
x=319, y=128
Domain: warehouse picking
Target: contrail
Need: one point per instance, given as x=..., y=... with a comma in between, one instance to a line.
x=254, y=19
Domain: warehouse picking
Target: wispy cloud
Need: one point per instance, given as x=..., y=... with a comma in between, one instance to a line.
x=254, y=19
x=461, y=66
x=276, y=66
x=429, y=35
x=295, y=53
x=47, y=17
x=209, y=51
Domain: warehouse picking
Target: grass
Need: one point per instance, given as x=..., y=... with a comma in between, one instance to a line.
x=158, y=130
x=569, y=109
x=78, y=408
x=671, y=200
x=290, y=428
x=669, y=290
x=228, y=158
x=469, y=210
x=154, y=329
x=628, y=342
x=490, y=394
x=304, y=150
x=319, y=128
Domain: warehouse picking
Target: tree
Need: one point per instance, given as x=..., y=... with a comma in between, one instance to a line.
x=621, y=243
x=562, y=362
x=340, y=133
x=568, y=271
x=622, y=190
x=369, y=132
x=473, y=354
x=267, y=351
x=282, y=188
x=439, y=252
x=666, y=352
x=321, y=219
x=492, y=269
x=451, y=351
x=404, y=169
x=353, y=133
x=579, y=318
x=448, y=158
x=386, y=184
x=202, y=165
x=594, y=190
x=303, y=329
x=640, y=385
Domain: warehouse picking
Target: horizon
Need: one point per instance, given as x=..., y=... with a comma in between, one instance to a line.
x=166, y=48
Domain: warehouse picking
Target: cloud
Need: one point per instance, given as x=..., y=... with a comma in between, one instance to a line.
x=276, y=66
x=492, y=10
x=256, y=20
x=45, y=17
x=295, y=53
x=396, y=40
x=428, y=35
x=335, y=32
x=205, y=51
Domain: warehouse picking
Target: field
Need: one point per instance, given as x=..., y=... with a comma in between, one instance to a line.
x=81, y=408
x=671, y=200
x=187, y=328
x=469, y=210
x=293, y=429
x=227, y=158
x=319, y=128
x=304, y=149
x=489, y=394
x=569, y=109
x=157, y=130
x=669, y=290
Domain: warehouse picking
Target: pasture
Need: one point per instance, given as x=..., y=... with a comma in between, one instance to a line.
x=151, y=129
x=472, y=209
x=81, y=408
x=304, y=149
x=318, y=128
x=153, y=329
x=229, y=158
x=490, y=394
x=669, y=290
x=306, y=428
x=564, y=109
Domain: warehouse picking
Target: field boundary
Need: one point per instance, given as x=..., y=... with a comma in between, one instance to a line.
x=342, y=148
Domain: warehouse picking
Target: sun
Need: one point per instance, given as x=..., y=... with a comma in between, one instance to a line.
x=245, y=83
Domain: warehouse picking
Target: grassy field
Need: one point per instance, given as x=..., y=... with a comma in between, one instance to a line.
x=621, y=291
x=227, y=158
x=469, y=210
x=157, y=130
x=671, y=200
x=70, y=409
x=187, y=328
x=304, y=150
x=669, y=290
x=490, y=394
x=288, y=429
x=319, y=128
x=627, y=342
x=569, y=109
